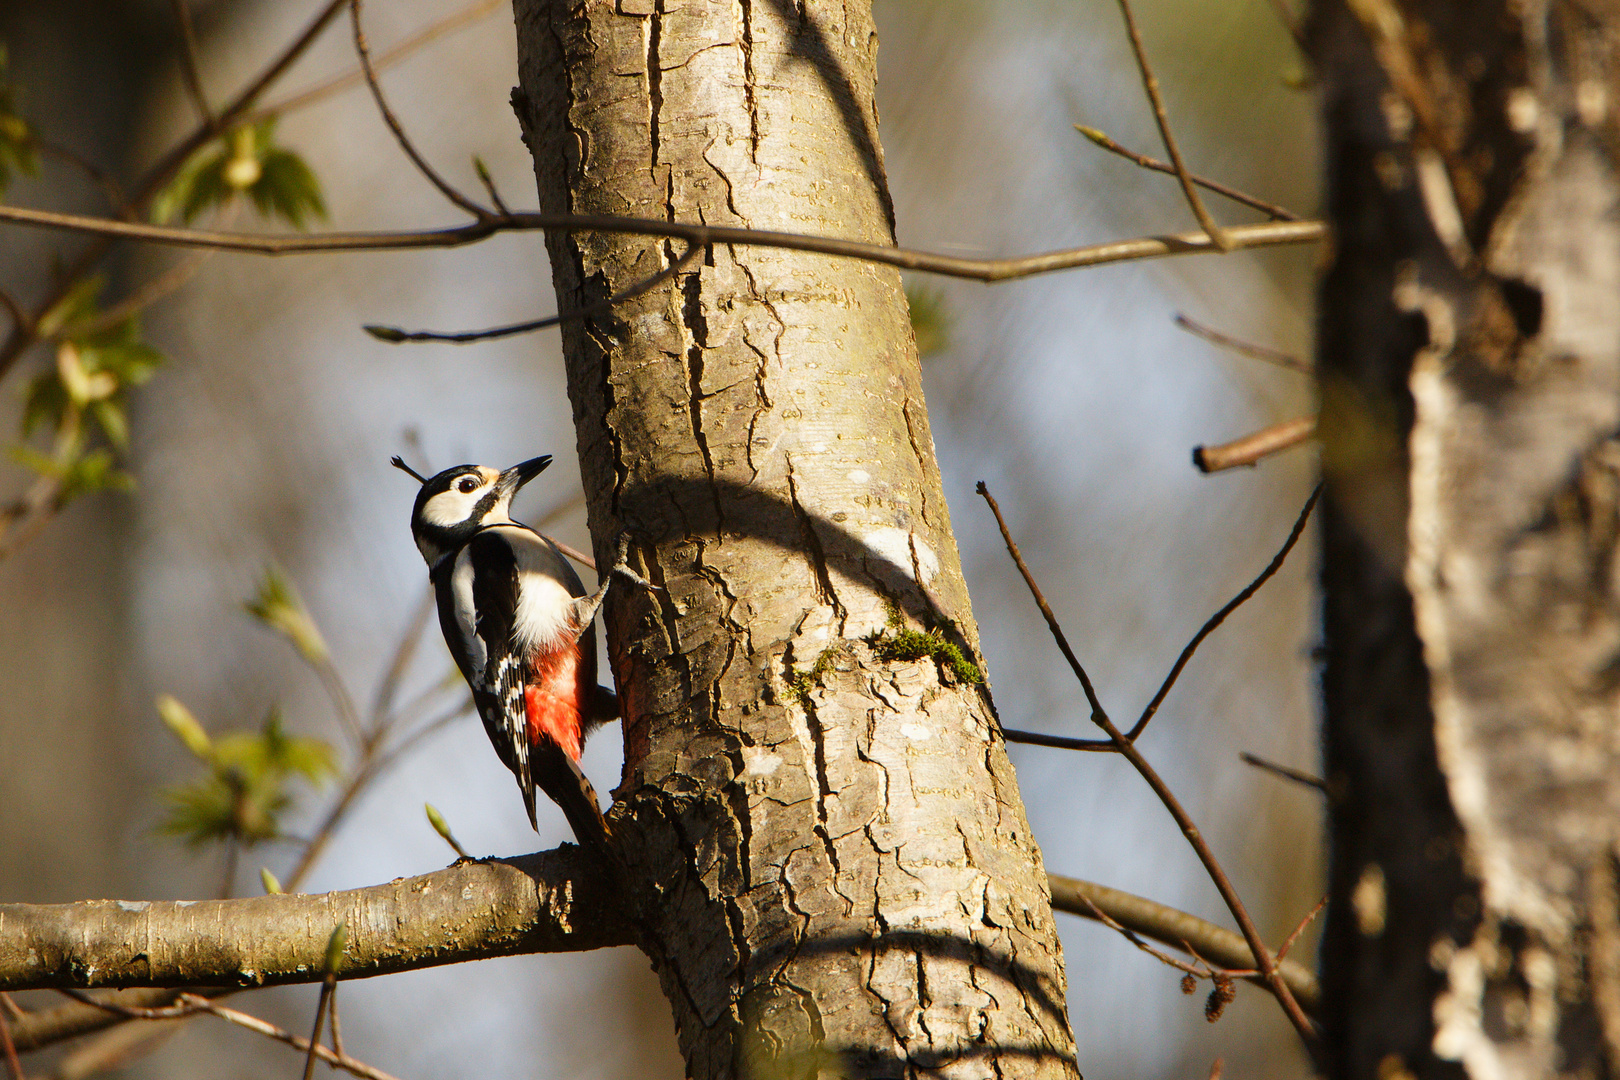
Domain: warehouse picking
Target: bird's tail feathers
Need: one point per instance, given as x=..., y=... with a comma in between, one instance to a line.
x=559, y=776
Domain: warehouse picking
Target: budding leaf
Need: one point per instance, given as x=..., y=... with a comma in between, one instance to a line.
x=246, y=790
x=278, y=607
x=272, y=887
x=246, y=161
x=334, y=949
x=179, y=720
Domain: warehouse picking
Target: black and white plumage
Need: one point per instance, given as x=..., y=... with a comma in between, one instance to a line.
x=519, y=625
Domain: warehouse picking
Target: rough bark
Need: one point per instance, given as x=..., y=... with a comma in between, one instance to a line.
x=549, y=902
x=1470, y=355
x=827, y=849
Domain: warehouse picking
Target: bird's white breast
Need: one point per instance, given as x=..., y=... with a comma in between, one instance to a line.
x=546, y=587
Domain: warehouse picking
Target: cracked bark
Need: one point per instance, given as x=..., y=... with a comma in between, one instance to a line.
x=1469, y=347
x=841, y=880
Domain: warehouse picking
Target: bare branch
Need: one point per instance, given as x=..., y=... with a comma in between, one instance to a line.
x=164, y=171
x=337, y=1059
x=1266, y=234
x=98, y=176
x=355, y=77
x=190, y=66
x=1282, y=950
x=1142, y=160
x=1174, y=928
x=391, y=334
x=1296, y=775
x=13, y=1066
x=45, y=1027
x=553, y=901
x=364, y=52
x=1264, y=961
x=1232, y=605
x=1243, y=348
x=1150, y=83
x=1254, y=447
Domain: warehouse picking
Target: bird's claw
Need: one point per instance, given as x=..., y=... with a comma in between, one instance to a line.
x=621, y=565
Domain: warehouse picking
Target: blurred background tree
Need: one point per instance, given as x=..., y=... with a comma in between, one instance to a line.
x=265, y=437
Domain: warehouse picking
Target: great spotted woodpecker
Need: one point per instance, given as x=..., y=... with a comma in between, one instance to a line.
x=519, y=625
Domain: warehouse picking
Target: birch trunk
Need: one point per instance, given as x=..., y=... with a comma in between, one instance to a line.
x=830, y=857
x=1470, y=355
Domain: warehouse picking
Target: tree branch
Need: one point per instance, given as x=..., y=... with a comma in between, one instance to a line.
x=552, y=901
x=1177, y=929
x=1266, y=234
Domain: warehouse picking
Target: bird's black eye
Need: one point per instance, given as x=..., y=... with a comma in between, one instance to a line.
x=467, y=485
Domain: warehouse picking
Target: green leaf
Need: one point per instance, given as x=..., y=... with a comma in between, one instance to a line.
x=335, y=945
x=109, y=416
x=78, y=305
x=44, y=402
x=94, y=471
x=246, y=791
x=179, y=720
x=17, y=152
x=278, y=607
x=244, y=161
x=272, y=887
x=287, y=189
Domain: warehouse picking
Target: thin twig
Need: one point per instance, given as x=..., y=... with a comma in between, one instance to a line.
x=364, y=52
x=489, y=186
x=1215, y=620
x=1251, y=449
x=1290, y=22
x=1162, y=957
x=342, y=700
x=1288, y=943
x=327, y=985
x=1150, y=83
x=1144, y=161
x=298, y=1042
x=1296, y=775
x=1265, y=234
x=391, y=334
x=13, y=1065
x=382, y=703
x=19, y=317
x=190, y=65
x=98, y=176
x=356, y=76
x=1244, y=348
x=1232, y=605
x=157, y=177
x=134, y=1012
x=1265, y=962
x=1215, y=1068
x=9, y=1006
x=337, y=1029
x=144, y=296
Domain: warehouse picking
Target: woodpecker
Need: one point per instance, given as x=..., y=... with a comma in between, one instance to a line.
x=519, y=625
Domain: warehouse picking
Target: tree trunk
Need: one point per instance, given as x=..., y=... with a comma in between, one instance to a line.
x=1470, y=358
x=830, y=859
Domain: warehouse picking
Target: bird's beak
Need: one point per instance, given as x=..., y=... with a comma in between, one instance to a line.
x=521, y=473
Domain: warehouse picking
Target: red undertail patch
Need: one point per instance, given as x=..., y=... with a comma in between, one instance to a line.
x=554, y=698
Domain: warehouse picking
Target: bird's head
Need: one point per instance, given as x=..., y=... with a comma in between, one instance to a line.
x=459, y=501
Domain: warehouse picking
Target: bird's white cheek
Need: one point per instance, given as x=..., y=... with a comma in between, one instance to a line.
x=449, y=508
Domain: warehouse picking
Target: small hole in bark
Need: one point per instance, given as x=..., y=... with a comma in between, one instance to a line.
x=1524, y=300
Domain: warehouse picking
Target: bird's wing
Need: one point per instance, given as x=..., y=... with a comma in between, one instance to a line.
x=484, y=585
